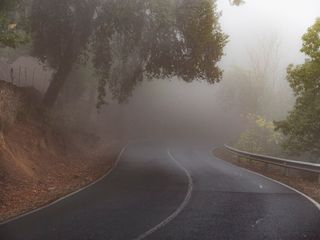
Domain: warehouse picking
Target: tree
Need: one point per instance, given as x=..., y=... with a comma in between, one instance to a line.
x=260, y=136
x=302, y=126
x=128, y=41
x=261, y=87
x=60, y=33
x=156, y=39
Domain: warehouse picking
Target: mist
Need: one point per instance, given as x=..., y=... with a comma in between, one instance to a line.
x=256, y=27
x=264, y=37
x=159, y=119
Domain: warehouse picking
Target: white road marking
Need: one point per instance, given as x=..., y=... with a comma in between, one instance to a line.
x=70, y=194
x=179, y=209
x=314, y=202
x=291, y=188
x=257, y=222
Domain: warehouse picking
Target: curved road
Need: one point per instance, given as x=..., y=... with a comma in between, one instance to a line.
x=182, y=194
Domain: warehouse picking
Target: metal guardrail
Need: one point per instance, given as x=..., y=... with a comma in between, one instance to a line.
x=286, y=163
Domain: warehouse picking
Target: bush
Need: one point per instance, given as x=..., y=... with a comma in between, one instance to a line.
x=260, y=136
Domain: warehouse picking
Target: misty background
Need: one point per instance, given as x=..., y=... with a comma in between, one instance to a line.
x=264, y=38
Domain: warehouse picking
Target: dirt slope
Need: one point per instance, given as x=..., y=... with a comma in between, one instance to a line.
x=38, y=164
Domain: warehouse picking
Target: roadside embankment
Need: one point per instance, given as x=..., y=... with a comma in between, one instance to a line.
x=38, y=163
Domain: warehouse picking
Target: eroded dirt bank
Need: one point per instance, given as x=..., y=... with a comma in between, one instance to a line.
x=39, y=163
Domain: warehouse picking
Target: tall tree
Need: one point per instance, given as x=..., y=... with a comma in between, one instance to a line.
x=302, y=126
x=60, y=32
x=128, y=41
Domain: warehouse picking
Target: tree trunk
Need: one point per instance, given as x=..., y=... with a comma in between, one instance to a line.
x=56, y=84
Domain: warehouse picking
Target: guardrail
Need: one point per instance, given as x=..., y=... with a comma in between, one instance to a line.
x=286, y=163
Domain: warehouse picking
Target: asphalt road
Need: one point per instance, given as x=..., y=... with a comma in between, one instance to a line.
x=184, y=193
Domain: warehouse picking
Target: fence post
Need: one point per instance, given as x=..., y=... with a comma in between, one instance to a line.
x=286, y=171
x=19, y=76
x=34, y=69
x=25, y=76
x=12, y=75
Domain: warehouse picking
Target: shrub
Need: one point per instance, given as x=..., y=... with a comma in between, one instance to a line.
x=260, y=136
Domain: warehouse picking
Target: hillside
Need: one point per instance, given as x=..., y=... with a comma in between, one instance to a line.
x=39, y=163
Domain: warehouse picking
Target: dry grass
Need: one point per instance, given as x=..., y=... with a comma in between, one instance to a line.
x=305, y=183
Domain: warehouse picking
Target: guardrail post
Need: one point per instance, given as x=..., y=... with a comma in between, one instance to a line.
x=286, y=171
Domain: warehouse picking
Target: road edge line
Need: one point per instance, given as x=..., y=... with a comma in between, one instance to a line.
x=68, y=195
x=314, y=202
x=181, y=206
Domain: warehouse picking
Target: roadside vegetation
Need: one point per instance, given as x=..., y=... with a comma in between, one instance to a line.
x=278, y=120
x=302, y=125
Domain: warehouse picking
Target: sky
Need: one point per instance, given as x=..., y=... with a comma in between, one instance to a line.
x=246, y=25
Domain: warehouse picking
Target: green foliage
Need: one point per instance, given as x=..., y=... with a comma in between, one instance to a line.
x=260, y=137
x=60, y=30
x=311, y=42
x=156, y=39
x=127, y=40
x=13, y=24
x=302, y=126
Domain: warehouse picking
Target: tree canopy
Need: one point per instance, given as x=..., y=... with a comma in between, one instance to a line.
x=156, y=39
x=302, y=126
x=128, y=41
x=60, y=31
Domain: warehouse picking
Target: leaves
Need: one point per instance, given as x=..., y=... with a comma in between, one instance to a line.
x=150, y=39
x=260, y=136
x=12, y=26
x=302, y=126
x=128, y=41
x=311, y=42
x=60, y=30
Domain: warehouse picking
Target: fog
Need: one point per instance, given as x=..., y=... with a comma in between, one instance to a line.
x=264, y=37
x=199, y=108
x=257, y=19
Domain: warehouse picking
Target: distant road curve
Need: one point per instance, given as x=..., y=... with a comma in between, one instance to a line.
x=182, y=194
